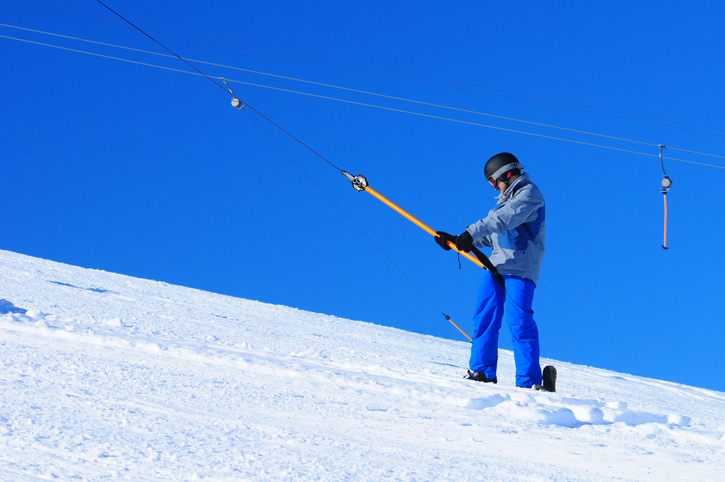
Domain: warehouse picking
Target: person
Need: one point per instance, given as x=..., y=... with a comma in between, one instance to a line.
x=515, y=229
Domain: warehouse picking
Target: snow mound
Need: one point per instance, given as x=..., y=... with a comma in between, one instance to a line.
x=550, y=409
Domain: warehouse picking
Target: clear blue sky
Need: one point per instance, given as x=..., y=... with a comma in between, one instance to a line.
x=151, y=173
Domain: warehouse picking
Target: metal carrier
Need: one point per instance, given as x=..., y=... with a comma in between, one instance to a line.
x=666, y=185
x=359, y=182
x=235, y=100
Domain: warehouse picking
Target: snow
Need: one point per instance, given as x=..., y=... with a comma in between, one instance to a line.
x=108, y=377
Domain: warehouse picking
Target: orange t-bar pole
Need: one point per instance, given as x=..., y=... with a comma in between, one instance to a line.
x=429, y=231
x=665, y=245
x=361, y=184
x=419, y=223
x=459, y=329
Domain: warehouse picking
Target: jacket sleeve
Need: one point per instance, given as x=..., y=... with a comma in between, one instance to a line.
x=521, y=208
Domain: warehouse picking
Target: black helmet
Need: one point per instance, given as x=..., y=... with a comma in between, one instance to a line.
x=500, y=164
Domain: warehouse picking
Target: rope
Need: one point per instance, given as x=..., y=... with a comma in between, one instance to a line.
x=162, y=45
x=305, y=172
x=293, y=137
x=343, y=211
x=217, y=84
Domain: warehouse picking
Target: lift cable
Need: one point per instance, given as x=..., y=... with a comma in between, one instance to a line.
x=466, y=86
x=428, y=104
x=402, y=110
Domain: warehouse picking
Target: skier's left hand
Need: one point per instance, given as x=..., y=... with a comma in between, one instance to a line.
x=464, y=242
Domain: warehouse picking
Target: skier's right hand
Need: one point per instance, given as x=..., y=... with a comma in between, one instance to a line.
x=464, y=242
x=442, y=239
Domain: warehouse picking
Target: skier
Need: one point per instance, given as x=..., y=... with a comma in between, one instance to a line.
x=515, y=231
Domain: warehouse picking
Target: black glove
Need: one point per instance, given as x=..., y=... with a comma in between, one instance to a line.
x=464, y=242
x=443, y=238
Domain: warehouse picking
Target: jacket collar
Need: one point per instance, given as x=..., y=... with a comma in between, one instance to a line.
x=518, y=183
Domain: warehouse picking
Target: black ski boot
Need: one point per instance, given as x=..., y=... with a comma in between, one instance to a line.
x=479, y=377
x=549, y=380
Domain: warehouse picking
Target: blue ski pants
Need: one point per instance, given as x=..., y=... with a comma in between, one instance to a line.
x=517, y=298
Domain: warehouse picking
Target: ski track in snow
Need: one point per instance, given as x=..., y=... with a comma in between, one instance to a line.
x=107, y=377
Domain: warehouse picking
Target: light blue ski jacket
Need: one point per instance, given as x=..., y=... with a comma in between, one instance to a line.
x=515, y=230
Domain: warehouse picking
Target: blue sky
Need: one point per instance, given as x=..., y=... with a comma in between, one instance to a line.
x=150, y=172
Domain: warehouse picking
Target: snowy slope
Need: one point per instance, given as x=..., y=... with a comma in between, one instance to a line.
x=107, y=377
